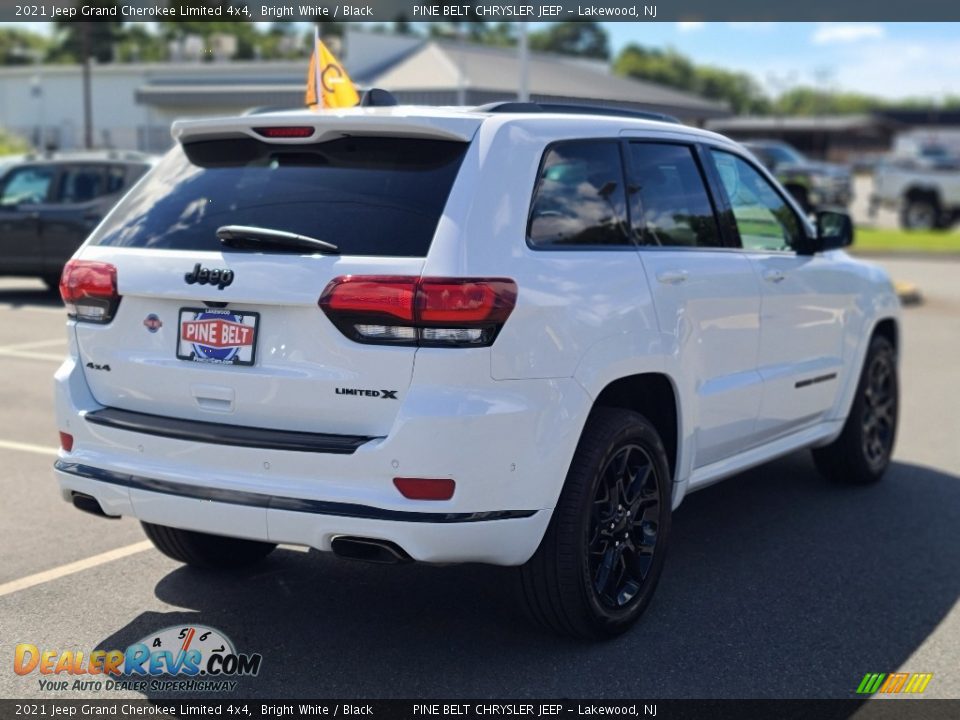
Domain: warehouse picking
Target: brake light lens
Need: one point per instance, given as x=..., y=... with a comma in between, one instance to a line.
x=428, y=312
x=425, y=488
x=66, y=441
x=89, y=290
x=297, y=131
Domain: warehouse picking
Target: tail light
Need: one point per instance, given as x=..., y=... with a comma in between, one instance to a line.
x=428, y=312
x=66, y=441
x=89, y=290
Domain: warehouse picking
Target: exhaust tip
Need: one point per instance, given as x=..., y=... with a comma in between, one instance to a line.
x=89, y=504
x=370, y=550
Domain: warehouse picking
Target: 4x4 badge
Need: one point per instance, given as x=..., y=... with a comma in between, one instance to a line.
x=205, y=276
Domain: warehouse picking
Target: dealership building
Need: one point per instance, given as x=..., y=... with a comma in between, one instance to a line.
x=134, y=104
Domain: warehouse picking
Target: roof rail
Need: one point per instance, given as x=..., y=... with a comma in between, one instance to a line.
x=512, y=106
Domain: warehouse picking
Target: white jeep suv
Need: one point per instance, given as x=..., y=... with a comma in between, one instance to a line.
x=513, y=334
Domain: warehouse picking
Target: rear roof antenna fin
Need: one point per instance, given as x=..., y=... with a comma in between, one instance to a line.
x=378, y=97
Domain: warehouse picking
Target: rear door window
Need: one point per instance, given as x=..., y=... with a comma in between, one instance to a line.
x=580, y=199
x=368, y=195
x=669, y=205
x=81, y=183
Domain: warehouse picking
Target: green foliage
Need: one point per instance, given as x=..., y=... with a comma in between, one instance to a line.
x=583, y=39
x=932, y=241
x=11, y=144
x=136, y=44
x=21, y=47
x=669, y=67
x=75, y=39
x=811, y=101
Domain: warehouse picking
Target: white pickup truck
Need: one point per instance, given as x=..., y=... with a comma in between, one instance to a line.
x=925, y=192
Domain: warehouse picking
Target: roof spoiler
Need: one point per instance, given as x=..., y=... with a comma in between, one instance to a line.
x=328, y=125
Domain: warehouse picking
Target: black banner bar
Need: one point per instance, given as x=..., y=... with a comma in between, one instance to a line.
x=491, y=11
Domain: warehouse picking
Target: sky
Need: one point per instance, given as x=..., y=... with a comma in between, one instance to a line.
x=891, y=60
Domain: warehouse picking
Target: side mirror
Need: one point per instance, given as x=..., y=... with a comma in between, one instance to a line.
x=834, y=230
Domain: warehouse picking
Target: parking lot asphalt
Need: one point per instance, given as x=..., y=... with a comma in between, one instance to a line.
x=778, y=584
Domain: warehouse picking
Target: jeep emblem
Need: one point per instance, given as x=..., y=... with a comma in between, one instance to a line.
x=205, y=276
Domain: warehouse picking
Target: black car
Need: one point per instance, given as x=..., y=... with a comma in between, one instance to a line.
x=815, y=185
x=50, y=203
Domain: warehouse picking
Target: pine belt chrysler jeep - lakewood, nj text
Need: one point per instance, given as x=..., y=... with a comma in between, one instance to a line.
x=513, y=334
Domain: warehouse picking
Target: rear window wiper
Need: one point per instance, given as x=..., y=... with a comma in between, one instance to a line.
x=245, y=237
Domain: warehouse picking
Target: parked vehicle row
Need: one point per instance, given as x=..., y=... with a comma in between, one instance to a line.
x=925, y=191
x=50, y=203
x=814, y=185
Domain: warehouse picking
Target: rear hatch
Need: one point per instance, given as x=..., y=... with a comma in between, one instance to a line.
x=234, y=335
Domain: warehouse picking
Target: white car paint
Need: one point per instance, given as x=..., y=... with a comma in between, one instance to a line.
x=733, y=331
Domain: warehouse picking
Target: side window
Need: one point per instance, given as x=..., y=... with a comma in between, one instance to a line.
x=81, y=184
x=764, y=219
x=669, y=204
x=116, y=179
x=579, y=199
x=26, y=186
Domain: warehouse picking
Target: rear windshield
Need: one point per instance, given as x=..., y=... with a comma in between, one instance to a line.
x=367, y=196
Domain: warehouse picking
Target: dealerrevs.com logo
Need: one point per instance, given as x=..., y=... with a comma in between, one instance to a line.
x=185, y=659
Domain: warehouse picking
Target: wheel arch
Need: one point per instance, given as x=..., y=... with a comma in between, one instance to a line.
x=887, y=326
x=654, y=395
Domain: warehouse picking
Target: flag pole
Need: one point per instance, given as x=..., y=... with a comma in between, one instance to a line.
x=523, y=48
x=318, y=81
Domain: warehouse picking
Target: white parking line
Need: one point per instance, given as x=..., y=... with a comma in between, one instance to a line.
x=33, y=345
x=27, y=355
x=74, y=567
x=27, y=447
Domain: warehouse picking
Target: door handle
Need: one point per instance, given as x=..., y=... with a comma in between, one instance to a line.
x=672, y=277
x=774, y=276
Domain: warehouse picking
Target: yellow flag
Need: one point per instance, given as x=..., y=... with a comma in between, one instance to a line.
x=328, y=84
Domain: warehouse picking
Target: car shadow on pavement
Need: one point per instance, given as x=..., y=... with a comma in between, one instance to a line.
x=778, y=584
x=40, y=296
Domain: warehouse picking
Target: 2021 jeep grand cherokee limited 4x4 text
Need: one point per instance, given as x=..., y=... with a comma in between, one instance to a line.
x=462, y=335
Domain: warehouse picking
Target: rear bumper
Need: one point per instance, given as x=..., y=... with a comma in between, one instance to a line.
x=507, y=444
x=497, y=538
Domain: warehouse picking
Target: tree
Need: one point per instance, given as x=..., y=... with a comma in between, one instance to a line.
x=21, y=47
x=812, y=101
x=12, y=144
x=668, y=67
x=139, y=45
x=583, y=39
x=77, y=39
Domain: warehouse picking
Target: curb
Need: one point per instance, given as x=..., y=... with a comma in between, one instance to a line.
x=908, y=293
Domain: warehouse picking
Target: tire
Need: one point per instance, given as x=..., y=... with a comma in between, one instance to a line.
x=862, y=452
x=920, y=214
x=562, y=584
x=206, y=551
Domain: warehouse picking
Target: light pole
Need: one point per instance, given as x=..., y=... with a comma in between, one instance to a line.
x=87, y=104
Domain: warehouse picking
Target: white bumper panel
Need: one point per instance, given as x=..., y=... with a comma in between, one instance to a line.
x=507, y=445
x=498, y=542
